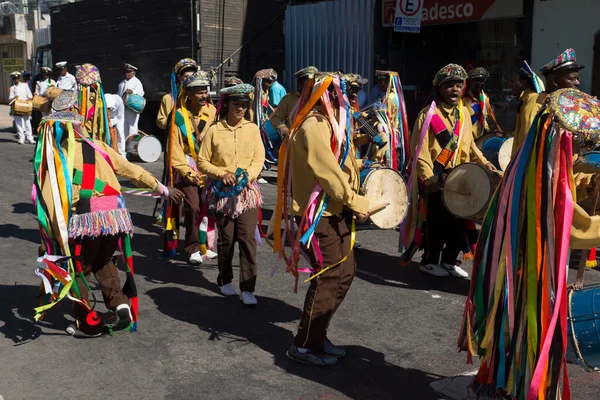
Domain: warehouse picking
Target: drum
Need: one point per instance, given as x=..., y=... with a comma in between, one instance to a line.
x=41, y=103
x=584, y=325
x=498, y=150
x=385, y=185
x=272, y=133
x=135, y=103
x=143, y=147
x=21, y=107
x=53, y=92
x=592, y=158
x=468, y=190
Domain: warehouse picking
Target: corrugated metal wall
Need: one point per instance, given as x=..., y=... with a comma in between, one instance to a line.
x=10, y=52
x=331, y=35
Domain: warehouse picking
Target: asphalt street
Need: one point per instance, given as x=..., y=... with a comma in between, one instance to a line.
x=398, y=326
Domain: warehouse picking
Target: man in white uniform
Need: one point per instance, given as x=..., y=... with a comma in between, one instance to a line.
x=117, y=119
x=66, y=81
x=43, y=84
x=131, y=84
x=21, y=91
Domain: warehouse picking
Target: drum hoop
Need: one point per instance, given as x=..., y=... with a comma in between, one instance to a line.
x=489, y=180
x=401, y=179
x=573, y=334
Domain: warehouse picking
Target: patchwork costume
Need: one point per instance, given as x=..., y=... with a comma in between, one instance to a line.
x=480, y=109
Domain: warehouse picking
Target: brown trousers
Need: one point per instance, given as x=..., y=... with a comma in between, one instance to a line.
x=192, y=217
x=240, y=230
x=327, y=291
x=97, y=257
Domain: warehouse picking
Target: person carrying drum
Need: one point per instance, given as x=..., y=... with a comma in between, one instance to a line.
x=20, y=91
x=531, y=100
x=232, y=155
x=188, y=123
x=184, y=68
x=478, y=103
x=442, y=138
x=282, y=118
x=43, y=84
x=130, y=85
x=65, y=81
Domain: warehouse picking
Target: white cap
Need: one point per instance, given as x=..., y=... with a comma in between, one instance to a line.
x=61, y=64
x=131, y=67
x=110, y=100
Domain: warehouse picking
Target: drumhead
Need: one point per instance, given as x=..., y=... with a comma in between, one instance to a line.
x=148, y=148
x=467, y=190
x=385, y=185
x=505, y=153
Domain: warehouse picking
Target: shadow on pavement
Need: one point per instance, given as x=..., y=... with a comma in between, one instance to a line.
x=364, y=374
x=16, y=311
x=23, y=208
x=383, y=269
x=12, y=230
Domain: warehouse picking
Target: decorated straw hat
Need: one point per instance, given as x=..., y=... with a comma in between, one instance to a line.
x=197, y=79
x=309, y=72
x=576, y=111
x=528, y=72
x=451, y=72
x=268, y=73
x=87, y=74
x=479, y=72
x=232, y=81
x=65, y=116
x=66, y=100
x=355, y=79
x=240, y=92
x=565, y=61
x=184, y=64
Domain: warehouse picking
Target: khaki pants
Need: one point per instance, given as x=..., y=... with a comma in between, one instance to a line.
x=327, y=291
x=240, y=230
x=192, y=217
x=97, y=258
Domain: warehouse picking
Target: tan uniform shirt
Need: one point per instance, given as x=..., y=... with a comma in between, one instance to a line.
x=312, y=160
x=180, y=147
x=226, y=148
x=280, y=117
x=166, y=105
x=431, y=148
x=585, y=230
x=532, y=102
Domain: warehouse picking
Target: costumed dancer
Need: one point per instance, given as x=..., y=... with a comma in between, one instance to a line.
x=184, y=68
x=92, y=105
x=478, y=103
x=530, y=103
x=130, y=85
x=43, y=84
x=317, y=179
x=442, y=138
x=232, y=156
x=515, y=316
x=66, y=101
x=399, y=150
x=188, y=123
x=65, y=80
x=267, y=95
x=83, y=221
x=283, y=117
x=375, y=148
x=20, y=91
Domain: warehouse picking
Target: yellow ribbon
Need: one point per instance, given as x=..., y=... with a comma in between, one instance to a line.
x=352, y=240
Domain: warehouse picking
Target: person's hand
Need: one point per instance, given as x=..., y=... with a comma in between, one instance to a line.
x=360, y=217
x=284, y=131
x=176, y=195
x=433, y=187
x=228, y=179
x=498, y=133
x=129, y=91
x=490, y=166
x=196, y=180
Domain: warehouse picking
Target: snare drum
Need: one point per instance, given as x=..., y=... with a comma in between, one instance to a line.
x=385, y=185
x=584, y=325
x=143, y=147
x=468, y=189
x=497, y=150
x=21, y=107
x=592, y=158
x=53, y=92
x=41, y=103
x=135, y=103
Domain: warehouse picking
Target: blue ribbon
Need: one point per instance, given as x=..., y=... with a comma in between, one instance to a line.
x=237, y=189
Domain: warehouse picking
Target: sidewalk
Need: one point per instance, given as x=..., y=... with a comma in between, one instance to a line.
x=6, y=121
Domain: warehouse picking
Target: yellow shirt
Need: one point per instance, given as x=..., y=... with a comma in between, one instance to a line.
x=280, y=117
x=166, y=105
x=226, y=148
x=312, y=160
x=431, y=147
x=180, y=147
x=585, y=229
x=532, y=102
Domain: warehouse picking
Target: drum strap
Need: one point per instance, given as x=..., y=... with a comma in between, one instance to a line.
x=448, y=142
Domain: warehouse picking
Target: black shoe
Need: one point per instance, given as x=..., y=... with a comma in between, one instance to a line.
x=120, y=319
x=310, y=358
x=329, y=348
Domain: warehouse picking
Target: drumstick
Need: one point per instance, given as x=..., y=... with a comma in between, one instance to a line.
x=378, y=208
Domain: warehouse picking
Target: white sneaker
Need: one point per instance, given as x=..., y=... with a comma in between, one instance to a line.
x=195, y=258
x=30, y=140
x=228, y=289
x=434, y=269
x=248, y=298
x=210, y=255
x=455, y=270
x=21, y=141
x=261, y=181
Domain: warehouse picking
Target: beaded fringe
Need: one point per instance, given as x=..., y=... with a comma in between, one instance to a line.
x=233, y=207
x=100, y=223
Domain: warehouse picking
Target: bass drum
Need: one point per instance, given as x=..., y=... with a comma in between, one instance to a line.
x=497, y=150
x=385, y=185
x=143, y=147
x=135, y=103
x=584, y=325
x=41, y=103
x=22, y=108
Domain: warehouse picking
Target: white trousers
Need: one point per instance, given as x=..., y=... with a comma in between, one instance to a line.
x=131, y=123
x=120, y=128
x=23, y=127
